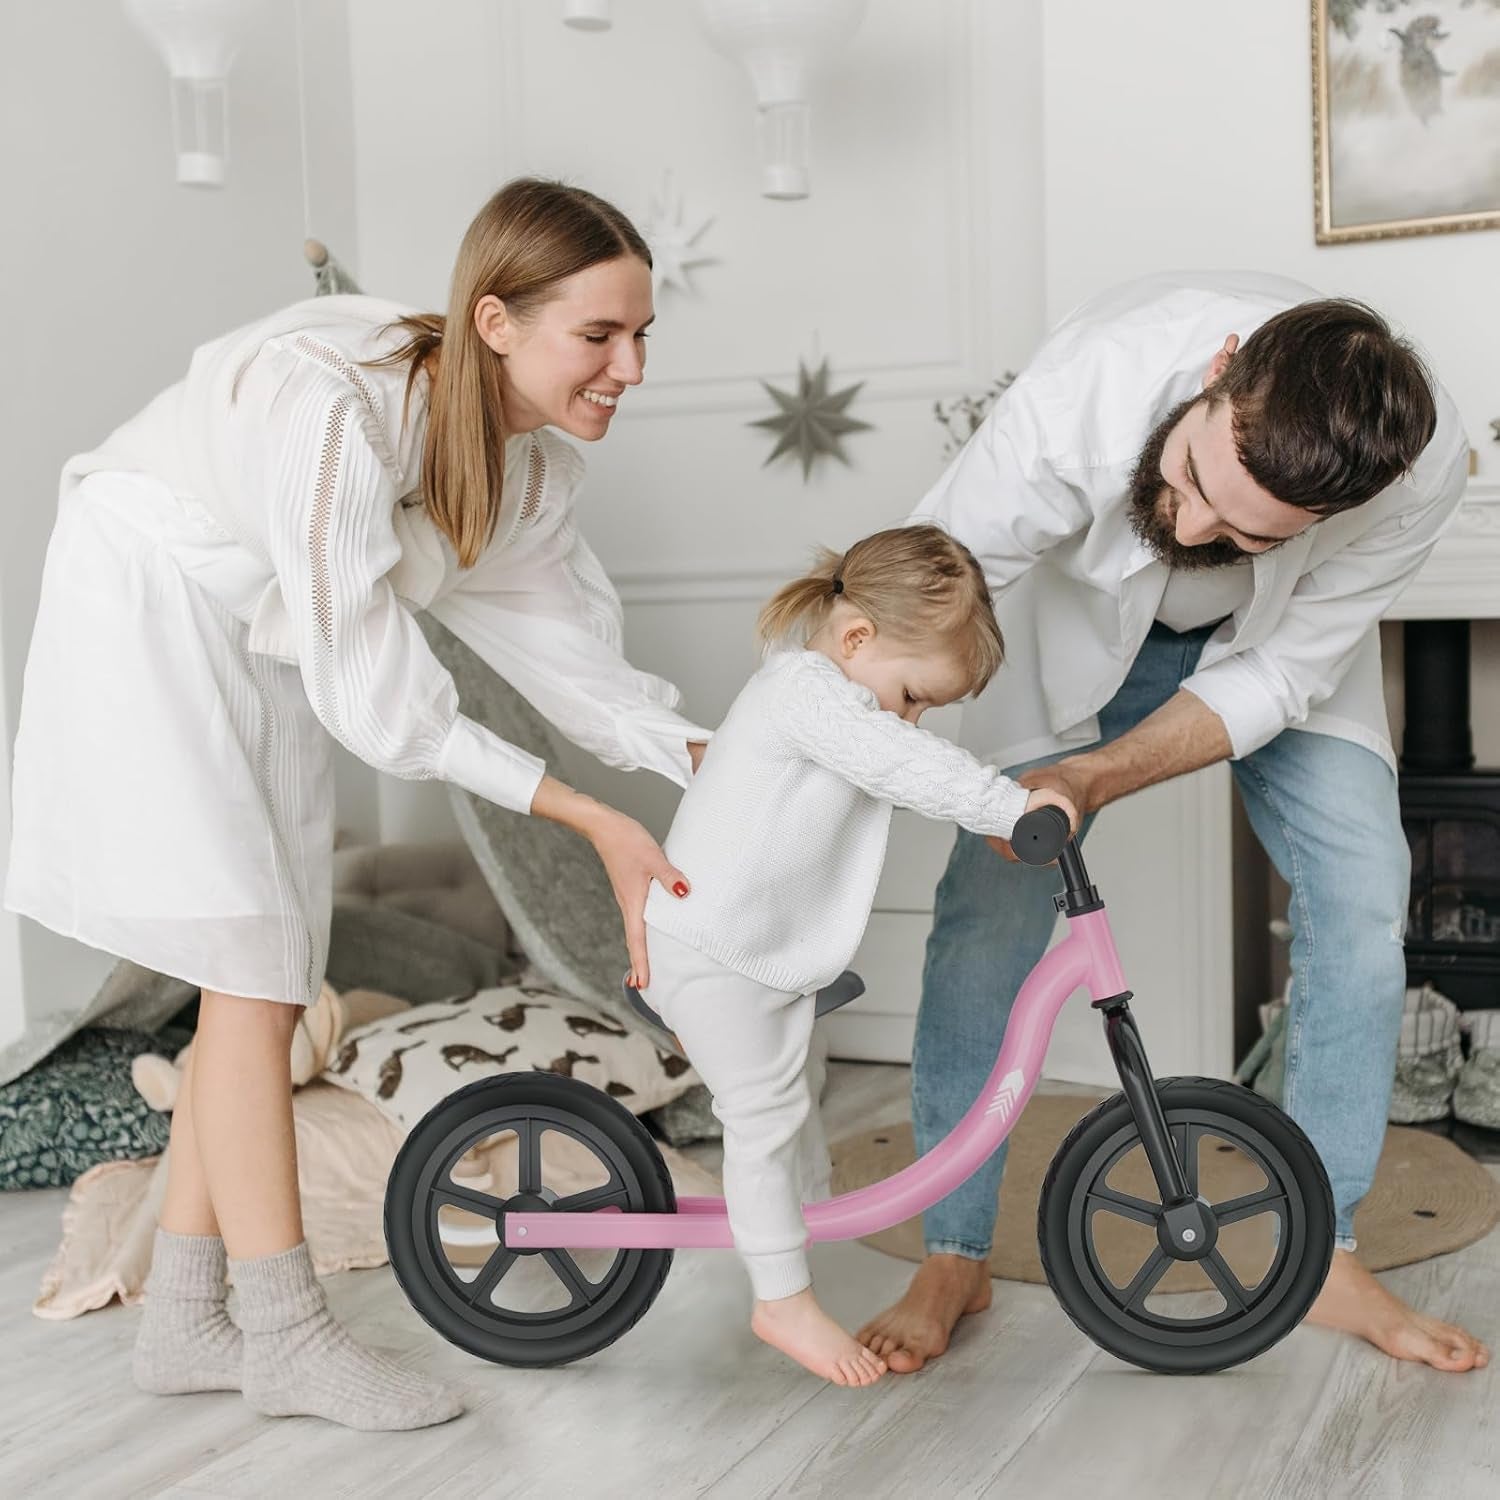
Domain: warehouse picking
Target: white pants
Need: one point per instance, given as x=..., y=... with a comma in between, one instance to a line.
x=750, y=1046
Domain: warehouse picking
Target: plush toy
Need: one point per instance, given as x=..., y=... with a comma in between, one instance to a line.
x=322, y=1026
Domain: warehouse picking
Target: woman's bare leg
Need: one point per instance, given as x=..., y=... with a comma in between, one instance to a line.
x=187, y=1207
x=241, y=1121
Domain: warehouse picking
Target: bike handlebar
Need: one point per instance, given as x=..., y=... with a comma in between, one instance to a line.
x=1040, y=836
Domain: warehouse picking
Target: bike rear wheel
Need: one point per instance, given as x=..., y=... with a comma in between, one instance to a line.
x=533, y=1143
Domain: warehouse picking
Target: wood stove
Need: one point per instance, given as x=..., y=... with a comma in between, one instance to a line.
x=1451, y=813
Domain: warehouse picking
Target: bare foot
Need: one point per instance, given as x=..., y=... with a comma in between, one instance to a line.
x=918, y=1327
x=802, y=1330
x=1353, y=1301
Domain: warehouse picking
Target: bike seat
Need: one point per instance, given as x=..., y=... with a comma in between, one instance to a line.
x=848, y=986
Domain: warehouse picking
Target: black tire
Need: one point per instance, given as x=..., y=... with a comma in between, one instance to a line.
x=1118, y=1321
x=598, y=1313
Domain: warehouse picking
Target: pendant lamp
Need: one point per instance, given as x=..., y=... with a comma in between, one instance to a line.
x=197, y=39
x=782, y=43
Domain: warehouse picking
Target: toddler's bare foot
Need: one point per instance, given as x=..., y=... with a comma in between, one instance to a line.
x=802, y=1330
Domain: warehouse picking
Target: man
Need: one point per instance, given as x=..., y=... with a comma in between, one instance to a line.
x=1193, y=507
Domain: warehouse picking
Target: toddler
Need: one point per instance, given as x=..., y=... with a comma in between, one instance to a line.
x=782, y=833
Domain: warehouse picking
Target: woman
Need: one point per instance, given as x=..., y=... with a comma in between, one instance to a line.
x=228, y=589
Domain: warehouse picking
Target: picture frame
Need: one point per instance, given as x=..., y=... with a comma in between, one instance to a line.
x=1406, y=117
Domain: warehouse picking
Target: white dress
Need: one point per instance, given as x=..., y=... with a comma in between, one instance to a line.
x=229, y=586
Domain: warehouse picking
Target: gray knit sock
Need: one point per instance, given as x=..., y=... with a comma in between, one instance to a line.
x=186, y=1341
x=299, y=1362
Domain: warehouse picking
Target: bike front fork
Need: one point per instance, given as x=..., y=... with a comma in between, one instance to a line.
x=1186, y=1228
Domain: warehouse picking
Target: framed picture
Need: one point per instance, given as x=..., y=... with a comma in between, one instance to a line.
x=1406, y=117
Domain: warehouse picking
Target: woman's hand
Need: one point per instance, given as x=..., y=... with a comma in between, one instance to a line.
x=631, y=857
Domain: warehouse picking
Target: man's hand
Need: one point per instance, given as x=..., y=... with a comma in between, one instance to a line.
x=1066, y=785
x=1183, y=735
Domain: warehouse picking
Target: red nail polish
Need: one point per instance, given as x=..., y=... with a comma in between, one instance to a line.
x=680, y=889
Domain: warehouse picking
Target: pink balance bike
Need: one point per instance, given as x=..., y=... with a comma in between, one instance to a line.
x=521, y=1274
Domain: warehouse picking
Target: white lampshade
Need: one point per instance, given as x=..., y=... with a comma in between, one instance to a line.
x=588, y=15
x=782, y=43
x=197, y=39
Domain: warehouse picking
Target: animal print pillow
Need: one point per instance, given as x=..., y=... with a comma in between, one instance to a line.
x=407, y=1062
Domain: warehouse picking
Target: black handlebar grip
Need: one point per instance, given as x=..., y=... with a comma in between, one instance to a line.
x=1039, y=836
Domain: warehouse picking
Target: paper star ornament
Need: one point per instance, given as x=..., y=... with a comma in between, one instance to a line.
x=812, y=422
x=674, y=245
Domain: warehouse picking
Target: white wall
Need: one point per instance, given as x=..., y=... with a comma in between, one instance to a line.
x=112, y=274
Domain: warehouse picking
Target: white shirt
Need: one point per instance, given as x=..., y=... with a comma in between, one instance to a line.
x=1040, y=495
x=296, y=469
x=782, y=832
x=1197, y=597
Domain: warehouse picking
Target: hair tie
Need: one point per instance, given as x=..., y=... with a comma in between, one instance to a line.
x=838, y=585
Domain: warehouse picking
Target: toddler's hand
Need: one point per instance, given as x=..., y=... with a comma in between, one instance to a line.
x=1042, y=796
x=1045, y=796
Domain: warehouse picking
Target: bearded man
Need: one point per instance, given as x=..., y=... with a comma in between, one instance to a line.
x=1193, y=508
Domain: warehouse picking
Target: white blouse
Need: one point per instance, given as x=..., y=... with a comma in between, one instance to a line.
x=297, y=469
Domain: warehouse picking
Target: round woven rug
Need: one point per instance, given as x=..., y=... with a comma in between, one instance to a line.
x=1428, y=1197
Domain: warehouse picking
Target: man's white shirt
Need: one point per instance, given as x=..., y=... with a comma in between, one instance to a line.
x=1040, y=493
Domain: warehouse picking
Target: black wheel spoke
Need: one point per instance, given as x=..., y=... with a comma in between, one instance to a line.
x=571, y=1277
x=1133, y=1298
x=483, y=1204
x=1186, y=1138
x=1107, y=1200
x=490, y=1273
x=1232, y=1210
x=614, y=1194
x=529, y=1155
x=1216, y=1268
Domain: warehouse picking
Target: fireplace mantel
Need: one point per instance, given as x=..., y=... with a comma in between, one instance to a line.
x=1461, y=580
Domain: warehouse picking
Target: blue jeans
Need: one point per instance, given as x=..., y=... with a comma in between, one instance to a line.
x=1327, y=814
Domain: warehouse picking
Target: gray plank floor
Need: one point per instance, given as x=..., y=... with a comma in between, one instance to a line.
x=690, y=1404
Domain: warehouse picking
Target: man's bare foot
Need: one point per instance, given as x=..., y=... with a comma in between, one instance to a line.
x=918, y=1327
x=1353, y=1301
x=802, y=1330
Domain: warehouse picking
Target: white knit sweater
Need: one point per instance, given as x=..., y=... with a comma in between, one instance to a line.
x=782, y=832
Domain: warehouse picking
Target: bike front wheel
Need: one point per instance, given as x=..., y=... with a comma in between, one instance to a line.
x=1113, y=1267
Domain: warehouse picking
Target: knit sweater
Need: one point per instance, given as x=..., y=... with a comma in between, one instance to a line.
x=782, y=832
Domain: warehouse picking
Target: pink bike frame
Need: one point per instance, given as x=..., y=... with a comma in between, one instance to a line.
x=1086, y=958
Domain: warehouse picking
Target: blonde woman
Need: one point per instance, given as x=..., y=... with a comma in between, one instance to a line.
x=228, y=590
x=783, y=831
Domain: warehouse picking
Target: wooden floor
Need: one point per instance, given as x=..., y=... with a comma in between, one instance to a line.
x=690, y=1404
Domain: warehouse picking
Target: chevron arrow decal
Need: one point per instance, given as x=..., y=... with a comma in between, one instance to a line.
x=1007, y=1094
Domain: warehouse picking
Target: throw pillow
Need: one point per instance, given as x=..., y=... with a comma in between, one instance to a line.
x=405, y=1064
x=78, y=1108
